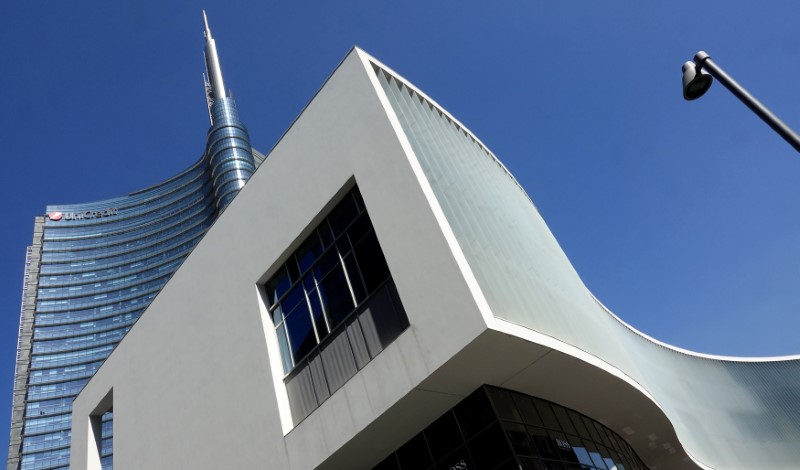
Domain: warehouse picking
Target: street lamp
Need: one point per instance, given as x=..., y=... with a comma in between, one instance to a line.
x=696, y=82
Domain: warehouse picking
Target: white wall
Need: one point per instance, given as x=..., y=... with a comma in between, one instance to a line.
x=193, y=384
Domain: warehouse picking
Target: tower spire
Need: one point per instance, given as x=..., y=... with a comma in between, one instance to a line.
x=215, y=86
x=228, y=150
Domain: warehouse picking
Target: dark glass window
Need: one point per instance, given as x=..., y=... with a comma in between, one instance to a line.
x=474, y=413
x=527, y=410
x=414, y=454
x=343, y=214
x=489, y=448
x=563, y=419
x=493, y=438
x=292, y=299
x=443, y=436
x=592, y=431
x=504, y=405
x=309, y=251
x=547, y=415
x=577, y=422
x=301, y=333
x=371, y=260
x=360, y=227
x=336, y=296
x=519, y=439
x=457, y=460
x=277, y=286
x=544, y=444
x=334, y=307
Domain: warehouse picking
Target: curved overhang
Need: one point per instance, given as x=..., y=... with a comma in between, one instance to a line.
x=675, y=406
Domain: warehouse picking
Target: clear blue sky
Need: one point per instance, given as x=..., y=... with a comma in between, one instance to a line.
x=683, y=218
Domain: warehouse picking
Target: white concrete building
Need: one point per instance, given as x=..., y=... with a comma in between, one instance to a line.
x=284, y=341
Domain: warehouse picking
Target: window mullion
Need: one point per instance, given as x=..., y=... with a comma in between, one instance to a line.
x=347, y=277
x=310, y=312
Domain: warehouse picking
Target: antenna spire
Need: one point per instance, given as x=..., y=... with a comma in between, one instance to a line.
x=215, y=86
x=207, y=32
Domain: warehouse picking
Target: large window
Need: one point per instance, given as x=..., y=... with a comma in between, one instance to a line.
x=334, y=305
x=497, y=429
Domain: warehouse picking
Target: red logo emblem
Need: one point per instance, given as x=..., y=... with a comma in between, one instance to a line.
x=55, y=215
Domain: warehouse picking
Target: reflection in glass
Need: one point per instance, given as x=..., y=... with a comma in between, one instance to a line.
x=344, y=309
x=505, y=441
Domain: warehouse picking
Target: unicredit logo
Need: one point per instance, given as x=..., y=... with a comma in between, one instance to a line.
x=82, y=215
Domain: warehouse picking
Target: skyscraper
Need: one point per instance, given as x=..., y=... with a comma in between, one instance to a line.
x=92, y=268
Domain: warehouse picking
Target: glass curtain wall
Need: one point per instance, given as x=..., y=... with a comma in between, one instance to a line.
x=101, y=265
x=497, y=429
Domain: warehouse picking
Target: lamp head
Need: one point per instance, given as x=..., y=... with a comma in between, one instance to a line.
x=695, y=82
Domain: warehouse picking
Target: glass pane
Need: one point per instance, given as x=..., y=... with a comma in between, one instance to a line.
x=344, y=213
x=594, y=455
x=490, y=448
x=543, y=443
x=563, y=419
x=547, y=415
x=360, y=227
x=520, y=442
x=458, y=460
x=309, y=251
x=286, y=356
x=327, y=262
x=325, y=233
x=504, y=405
x=277, y=315
x=601, y=430
x=414, y=454
x=474, y=413
x=277, y=285
x=291, y=268
x=371, y=262
x=563, y=446
x=579, y=452
x=592, y=430
x=527, y=410
x=577, y=422
x=336, y=297
x=343, y=245
x=443, y=436
x=294, y=297
x=301, y=333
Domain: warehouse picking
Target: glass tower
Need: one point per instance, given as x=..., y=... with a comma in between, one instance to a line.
x=92, y=269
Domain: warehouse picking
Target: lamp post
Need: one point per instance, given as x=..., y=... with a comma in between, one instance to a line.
x=696, y=82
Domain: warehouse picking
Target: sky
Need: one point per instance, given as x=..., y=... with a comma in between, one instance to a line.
x=683, y=218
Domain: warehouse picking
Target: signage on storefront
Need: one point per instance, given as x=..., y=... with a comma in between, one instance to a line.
x=562, y=444
x=462, y=465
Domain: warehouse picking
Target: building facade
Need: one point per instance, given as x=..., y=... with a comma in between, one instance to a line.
x=395, y=301
x=94, y=267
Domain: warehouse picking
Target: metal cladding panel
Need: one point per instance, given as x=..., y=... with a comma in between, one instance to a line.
x=727, y=413
x=228, y=151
